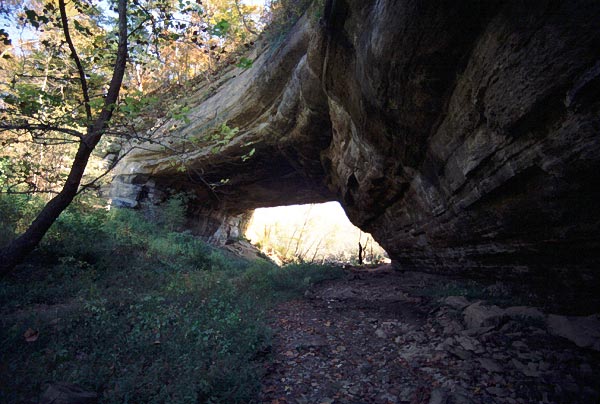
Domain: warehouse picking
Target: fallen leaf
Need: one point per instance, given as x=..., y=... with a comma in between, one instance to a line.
x=31, y=335
x=328, y=324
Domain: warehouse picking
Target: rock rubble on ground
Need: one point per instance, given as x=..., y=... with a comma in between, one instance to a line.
x=378, y=342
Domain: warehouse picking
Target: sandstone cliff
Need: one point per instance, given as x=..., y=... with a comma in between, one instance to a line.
x=462, y=135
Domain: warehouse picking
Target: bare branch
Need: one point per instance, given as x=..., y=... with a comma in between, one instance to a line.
x=33, y=191
x=105, y=173
x=53, y=142
x=243, y=17
x=33, y=76
x=200, y=180
x=140, y=25
x=39, y=127
x=75, y=56
x=9, y=48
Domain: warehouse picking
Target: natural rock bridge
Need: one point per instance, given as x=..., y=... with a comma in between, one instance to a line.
x=462, y=135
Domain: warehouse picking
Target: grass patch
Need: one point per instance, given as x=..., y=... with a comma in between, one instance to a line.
x=139, y=314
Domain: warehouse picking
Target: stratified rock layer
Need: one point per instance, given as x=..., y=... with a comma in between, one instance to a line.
x=462, y=135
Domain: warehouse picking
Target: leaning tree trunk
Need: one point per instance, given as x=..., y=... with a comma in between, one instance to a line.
x=19, y=248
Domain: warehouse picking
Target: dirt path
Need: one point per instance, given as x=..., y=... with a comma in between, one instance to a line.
x=370, y=338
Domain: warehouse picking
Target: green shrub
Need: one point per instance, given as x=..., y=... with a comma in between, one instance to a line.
x=138, y=313
x=178, y=250
x=272, y=282
x=171, y=214
x=192, y=346
x=16, y=212
x=78, y=234
x=128, y=228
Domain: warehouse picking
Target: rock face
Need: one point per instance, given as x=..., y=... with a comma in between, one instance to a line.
x=462, y=135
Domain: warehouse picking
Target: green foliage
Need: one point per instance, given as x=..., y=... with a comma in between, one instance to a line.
x=172, y=214
x=180, y=113
x=35, y=19
x=127, y=229
x=43, y=108
x=288, y=282
x=136, y=311
x=4, y=37
x=245, y=63
x=221, y=28
x=16, y=212
x=77, y=233
x=217, y=138
x=193, y=339
x=135, y=103
x=248, y=155
x=226, y=133
x=179, y=250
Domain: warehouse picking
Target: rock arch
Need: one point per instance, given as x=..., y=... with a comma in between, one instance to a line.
x=462, y=135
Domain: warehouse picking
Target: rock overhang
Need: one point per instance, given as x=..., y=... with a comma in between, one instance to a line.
x=462, y=137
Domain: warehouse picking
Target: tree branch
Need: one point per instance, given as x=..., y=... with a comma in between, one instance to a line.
x=33, y=191
x=33, y=76
x=105, y=173
x=75, y=56
x=119, y=70
x=46, y=128
x=237, y=6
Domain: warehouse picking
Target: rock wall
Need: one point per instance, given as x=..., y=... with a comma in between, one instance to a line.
x=462, y=135
x=476, y=129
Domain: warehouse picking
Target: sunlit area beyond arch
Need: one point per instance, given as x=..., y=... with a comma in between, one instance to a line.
x=316, y=233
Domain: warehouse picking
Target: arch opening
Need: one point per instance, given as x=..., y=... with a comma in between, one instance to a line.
x=313, y=233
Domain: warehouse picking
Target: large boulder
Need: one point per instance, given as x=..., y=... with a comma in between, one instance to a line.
x=478, y=315
x=583, y=331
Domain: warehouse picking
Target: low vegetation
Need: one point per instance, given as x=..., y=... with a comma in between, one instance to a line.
x=136, y=311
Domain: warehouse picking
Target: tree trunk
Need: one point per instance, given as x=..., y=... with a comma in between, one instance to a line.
x=17, y=250
x=360, y=253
